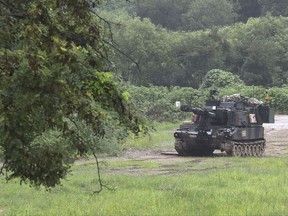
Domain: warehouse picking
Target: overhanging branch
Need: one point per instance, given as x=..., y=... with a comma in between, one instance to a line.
x=101, y=184
x=99, y=175
x=2, y=168
x=12, y=9
x=108, y=23
x=123, y=53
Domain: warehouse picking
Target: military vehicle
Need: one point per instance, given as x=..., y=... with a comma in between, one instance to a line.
x=233, y=124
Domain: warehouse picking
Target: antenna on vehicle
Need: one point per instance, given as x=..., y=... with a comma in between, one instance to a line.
x=190, y=101
x=267, y=98
x=253, y=92
x=213, y=92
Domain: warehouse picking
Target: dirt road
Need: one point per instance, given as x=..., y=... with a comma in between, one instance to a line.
x=276, y=136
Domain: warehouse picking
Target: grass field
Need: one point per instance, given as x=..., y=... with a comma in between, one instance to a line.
x=192, y=186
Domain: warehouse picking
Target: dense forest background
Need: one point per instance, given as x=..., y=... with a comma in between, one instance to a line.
x=175, y=43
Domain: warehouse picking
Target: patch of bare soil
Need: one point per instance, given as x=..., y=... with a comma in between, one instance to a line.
x=167, y=163
x=151, y=156
x=276, y=136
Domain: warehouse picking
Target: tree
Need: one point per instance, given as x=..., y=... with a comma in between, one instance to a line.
x=257, y=50
x=166, y=13
x=147, y=58
x=51, y=57
x=197, y=53
x=247, y=9
x=116, y=5
x=187, y=15
x=275, y=7
x=208, y=13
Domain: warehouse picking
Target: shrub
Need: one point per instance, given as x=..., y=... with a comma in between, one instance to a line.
x=216, y=78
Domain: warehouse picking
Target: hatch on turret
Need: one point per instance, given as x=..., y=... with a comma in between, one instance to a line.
x=267, y=114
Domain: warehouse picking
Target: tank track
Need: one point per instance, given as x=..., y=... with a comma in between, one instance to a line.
x=185, y=150
x=245, y=149
x=232, y=148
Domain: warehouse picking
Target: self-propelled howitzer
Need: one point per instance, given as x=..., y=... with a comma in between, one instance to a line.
x=233, y=125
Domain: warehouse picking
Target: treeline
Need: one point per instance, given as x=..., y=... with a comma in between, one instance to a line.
x=147, y=53
x=158, y=103
x=256, y=51
x=192, y=15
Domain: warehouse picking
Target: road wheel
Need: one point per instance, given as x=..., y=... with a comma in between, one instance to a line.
x=250, y=150
x=262, y=149
x=254, y=149
x=234, y=150
x=258, y=150
x=246, y=150
x=242, y=150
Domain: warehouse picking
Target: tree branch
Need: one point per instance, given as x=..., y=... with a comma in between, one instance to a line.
x=99, y=175
x=19, y=15
x=111, y=44
x=102, y=19
x=97, y=162
x=123, y=53
x=12, y=9
x=2, y=168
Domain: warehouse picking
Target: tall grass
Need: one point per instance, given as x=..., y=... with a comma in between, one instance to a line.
x=159, y=138
x=206, y=186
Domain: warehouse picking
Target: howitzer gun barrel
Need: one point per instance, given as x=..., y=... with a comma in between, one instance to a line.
x=197, y=111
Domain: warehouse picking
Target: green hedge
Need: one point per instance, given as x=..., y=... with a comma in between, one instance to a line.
x=158, y=103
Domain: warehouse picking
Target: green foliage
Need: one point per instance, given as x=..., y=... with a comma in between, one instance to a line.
x=216, y=78
x=158, y=103
x=207, y=14
x=196, y=53
x=160, y=57
x=50, y=55
x=187, y=15
x=246, y=9
x=146, y=45
x=200, y=14
x=278, y=96
x=166, y=13
x=256, y=51
x=117, y=5
x=274, y=7
x=279, y=99
x=109, y=143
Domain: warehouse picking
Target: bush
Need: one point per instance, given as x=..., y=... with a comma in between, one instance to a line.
x=217, y=78
x=158, y=103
